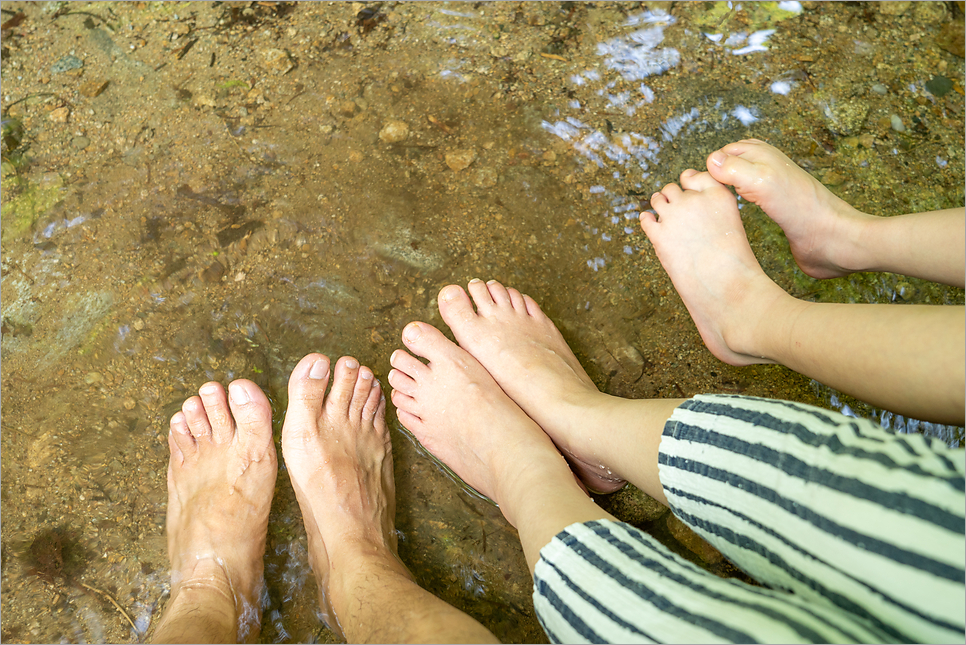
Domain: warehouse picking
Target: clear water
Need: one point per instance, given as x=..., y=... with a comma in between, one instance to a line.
x=219, y=210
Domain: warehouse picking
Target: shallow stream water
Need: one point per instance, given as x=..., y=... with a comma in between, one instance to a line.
x=209, y=191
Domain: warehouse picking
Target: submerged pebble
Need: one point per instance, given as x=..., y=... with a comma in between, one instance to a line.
x=896, y=123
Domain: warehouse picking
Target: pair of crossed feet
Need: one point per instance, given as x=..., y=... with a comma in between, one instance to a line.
x=510, y=392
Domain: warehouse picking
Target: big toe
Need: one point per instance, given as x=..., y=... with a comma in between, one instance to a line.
x=425, y=340
x=306, y=392
x=253, y=416
x=455, y=305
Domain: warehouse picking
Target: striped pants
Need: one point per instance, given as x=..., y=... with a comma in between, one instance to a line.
x=856, y=533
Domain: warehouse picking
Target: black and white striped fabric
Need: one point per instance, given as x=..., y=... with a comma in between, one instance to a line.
x=858, y=533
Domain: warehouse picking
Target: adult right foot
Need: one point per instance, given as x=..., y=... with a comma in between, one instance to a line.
x=339, y=457
x=523, y=350
x=823, y=231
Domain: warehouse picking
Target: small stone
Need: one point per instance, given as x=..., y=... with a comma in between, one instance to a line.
x=214, y=272
x=896, y=123
x=93, y=88
x=833, y=178
x=458, y=160
x=951, y=37
x=355, y=156
x=277, y=60
x=930, y=12
x=79, y=143
x=846, y=116
x=347, y=108
x=939, y=86
x=239, y=276
x=394, y=132
x=891, y=8
x=485, y=178
x=139, y=324
x=129, y=403
x=93, y=378
x=65, y=64
x=59, y=115
x=880, y=89
x=867, y=140
x=905, y=290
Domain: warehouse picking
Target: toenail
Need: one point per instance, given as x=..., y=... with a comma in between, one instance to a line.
x=208, y=388
x=351, y=363
x=319, y=369
x=412, y=331
x=238, y=393
x=178, y=418
x=718, y=158
x=475, y=280
x=448, y=293
x=366, y=375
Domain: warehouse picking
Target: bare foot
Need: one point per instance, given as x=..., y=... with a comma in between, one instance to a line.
x=701, y=242
x=457, y=411
x=221, y=478
x=523, y=350
x=339, y=457
x=823, y=230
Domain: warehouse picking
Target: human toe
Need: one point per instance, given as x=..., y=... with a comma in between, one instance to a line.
x=360, y=393
x=699, y=181
x=516, y=299
x=218, y=412
x=425, y=340
x=180, y=440
x=455, y=305
x=375, y=405
x=343, y=384
x=481, y=294
x=252, y=413
x=498, y=292
x=196, y=418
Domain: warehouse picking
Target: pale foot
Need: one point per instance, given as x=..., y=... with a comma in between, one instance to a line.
x=699, y=238
x=339, y=456
x=221, y=478
x=823, y=231
x=458, y=413
x=523, y=350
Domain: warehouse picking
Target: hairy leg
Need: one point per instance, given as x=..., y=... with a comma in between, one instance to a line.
x=909, y=359
x=221, y=477
x=830, y=238
x=339, y=457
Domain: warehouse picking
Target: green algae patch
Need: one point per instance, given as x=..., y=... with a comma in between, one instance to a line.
x=24, y=202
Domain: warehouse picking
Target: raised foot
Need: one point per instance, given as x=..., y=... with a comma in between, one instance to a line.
x=457, y=411
x=339, y=457
x=221, y=478
x=523, y=350
x=823, y=231
x=699, y=238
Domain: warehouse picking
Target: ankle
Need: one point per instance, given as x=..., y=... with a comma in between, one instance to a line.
x=519, y=489
x=755, y=319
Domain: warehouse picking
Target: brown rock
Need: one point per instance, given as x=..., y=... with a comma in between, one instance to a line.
x=394, y=132
x=951, y=37
x=60, y=115
x=214, y=272
x=692, y=541
x=460, y=159
x=93, y=87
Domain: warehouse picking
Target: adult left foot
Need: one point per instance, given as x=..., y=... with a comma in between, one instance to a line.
x=221, y=478
x=339, y=456
x=700, y=240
